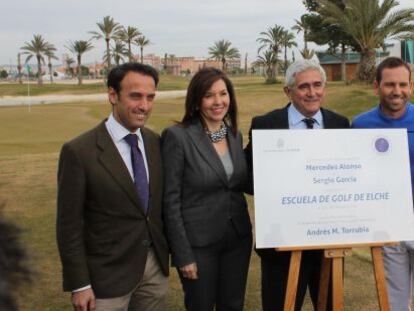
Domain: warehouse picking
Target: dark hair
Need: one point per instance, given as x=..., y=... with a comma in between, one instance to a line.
x=391, y=62
x=198, y=87
x=118, y=73
x=13, y=265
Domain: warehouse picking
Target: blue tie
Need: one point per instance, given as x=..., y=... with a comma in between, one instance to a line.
x=138, y=167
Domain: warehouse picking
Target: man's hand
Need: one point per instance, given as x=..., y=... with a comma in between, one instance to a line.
x=83, y=300
x=190, y=271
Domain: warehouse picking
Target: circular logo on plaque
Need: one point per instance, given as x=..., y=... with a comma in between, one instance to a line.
x=382, y=145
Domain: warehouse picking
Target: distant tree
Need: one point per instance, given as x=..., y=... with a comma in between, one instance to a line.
x=325, y=33
x=69, y=70
x=50, y=54
x=108, y=30
x=79, y=47
x=37, y=48
x=307, y=54
x=268, y=61
x=370, y=24
x=85, y=70
x=103, y=72
x=169, y=63
x=272, y=40
x=165, y=62
x=172, y=58
x=19, y=68
x=245, y=64
x=118, y=52
x=222, y=51
x=303, y=25
x=287, y=41
x=142, y=42
x=129, y=35
x=3, y=74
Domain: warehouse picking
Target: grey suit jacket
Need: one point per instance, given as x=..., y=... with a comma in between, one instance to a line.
x=198, y=198
x=102, y=231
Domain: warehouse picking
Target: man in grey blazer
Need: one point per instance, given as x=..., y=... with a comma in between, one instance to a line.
x=109, y=228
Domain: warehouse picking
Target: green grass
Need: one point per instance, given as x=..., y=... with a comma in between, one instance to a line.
x=15, y=89
x=167, y=82
x=29, y=146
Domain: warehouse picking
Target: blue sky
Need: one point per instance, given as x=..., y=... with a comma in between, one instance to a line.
x=180, y=27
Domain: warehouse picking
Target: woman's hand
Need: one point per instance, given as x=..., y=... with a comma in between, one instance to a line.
x=189, y=271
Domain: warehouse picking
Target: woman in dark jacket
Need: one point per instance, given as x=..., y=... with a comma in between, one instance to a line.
x=207, y=222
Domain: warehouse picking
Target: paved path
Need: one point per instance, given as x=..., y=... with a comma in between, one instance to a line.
x=65, y=98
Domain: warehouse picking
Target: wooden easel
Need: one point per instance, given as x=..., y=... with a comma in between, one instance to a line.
x=333, y=261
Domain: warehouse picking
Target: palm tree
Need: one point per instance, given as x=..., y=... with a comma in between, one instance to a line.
x=50, y=54
x=323, y=33
x=142, y=41
x=79, y=47
x=271, y=39
x=69, y=61
x=370, y=24
x=340, y=49
x=19, y=68
x=245, y=64
x=118, y=52
x=302, y=25
x=222, y=51
x=307, y=54
x=37, y=48
x=287, y=41
x=109, y=29
x=128, y=35
x=268, y=61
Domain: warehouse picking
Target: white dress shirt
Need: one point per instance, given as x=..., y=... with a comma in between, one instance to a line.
x=117, y=132
x=295, y=119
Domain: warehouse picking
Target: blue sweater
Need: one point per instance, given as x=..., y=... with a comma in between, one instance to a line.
x=376, y=119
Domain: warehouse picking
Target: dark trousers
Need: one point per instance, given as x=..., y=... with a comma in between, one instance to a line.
x=222, y=274
x=275, y=276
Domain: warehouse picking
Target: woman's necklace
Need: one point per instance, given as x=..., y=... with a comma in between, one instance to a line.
x=218, y=135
